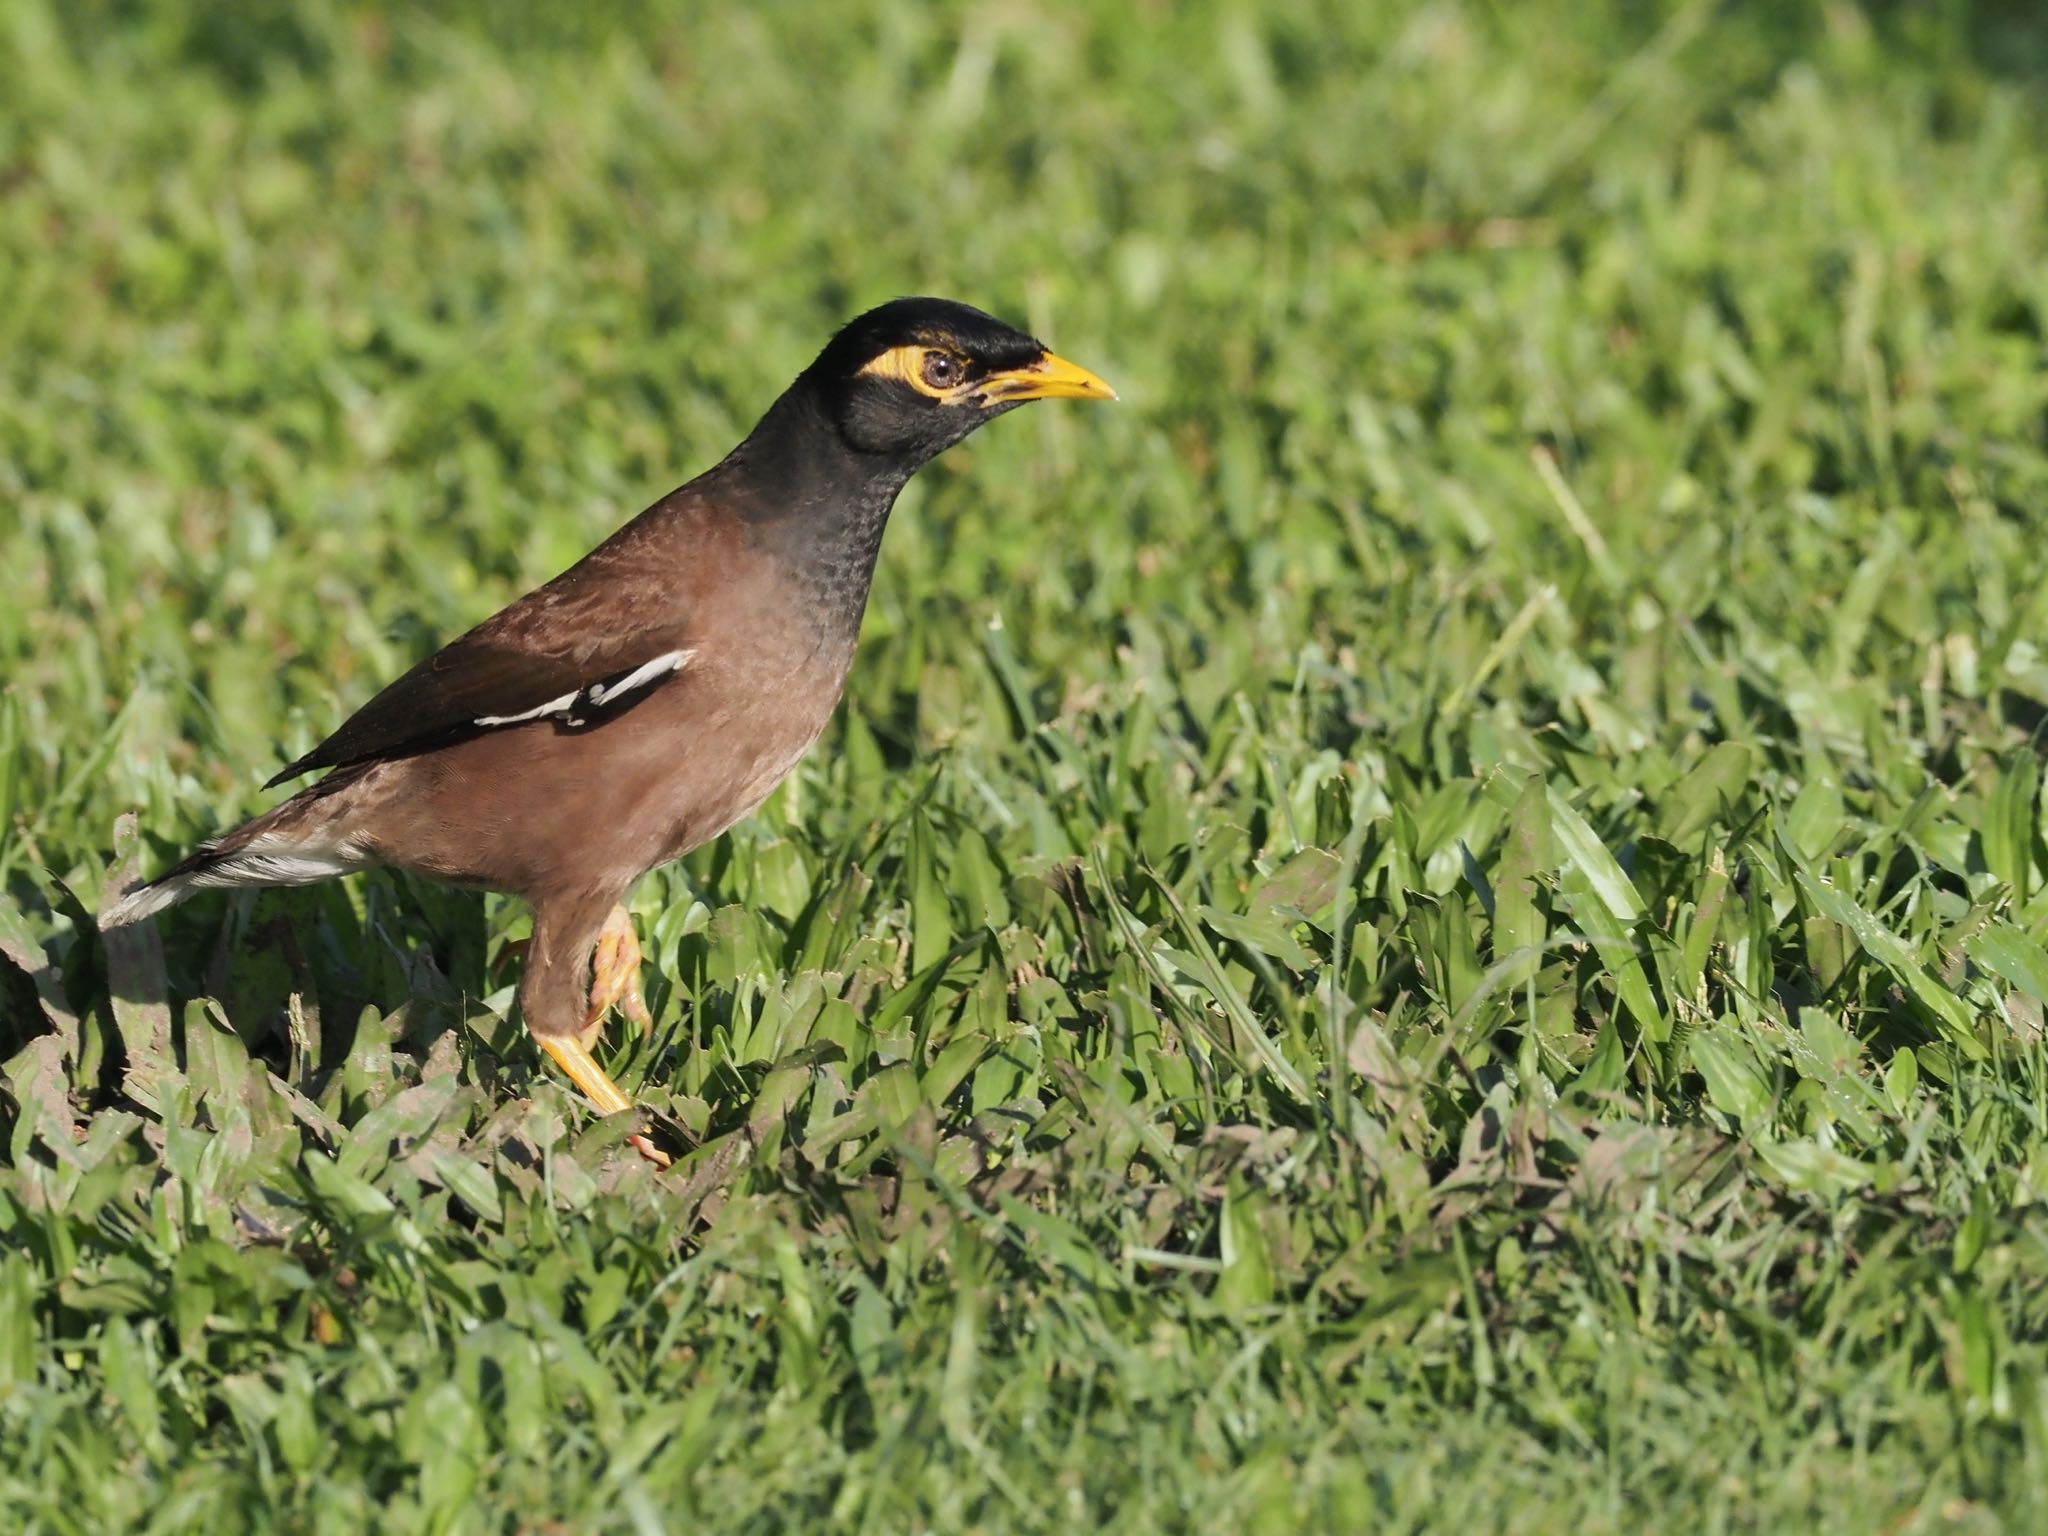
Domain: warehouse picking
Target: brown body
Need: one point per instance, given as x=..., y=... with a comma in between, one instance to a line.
x=569, y=816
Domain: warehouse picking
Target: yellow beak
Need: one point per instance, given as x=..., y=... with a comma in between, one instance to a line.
x=1050, y=378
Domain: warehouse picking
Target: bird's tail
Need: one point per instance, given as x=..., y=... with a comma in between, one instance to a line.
x=291, y=845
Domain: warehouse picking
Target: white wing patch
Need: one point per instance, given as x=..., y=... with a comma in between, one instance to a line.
x=553, y=706
x=571, y=707
x=646, y=672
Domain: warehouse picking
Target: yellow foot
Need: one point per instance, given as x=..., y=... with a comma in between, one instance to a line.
x=615, y=976
x=605, y=1096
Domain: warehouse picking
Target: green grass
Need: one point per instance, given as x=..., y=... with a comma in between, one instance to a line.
x=1439, y=922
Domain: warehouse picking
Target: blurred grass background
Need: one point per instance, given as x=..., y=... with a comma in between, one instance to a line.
x=1436, y=921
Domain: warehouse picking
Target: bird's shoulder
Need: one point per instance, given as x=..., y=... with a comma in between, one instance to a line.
x=589, y=643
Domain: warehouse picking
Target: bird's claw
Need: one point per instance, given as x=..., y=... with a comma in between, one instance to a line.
x=615, y=977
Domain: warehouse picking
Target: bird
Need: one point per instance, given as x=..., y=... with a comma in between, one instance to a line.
x=653, y=694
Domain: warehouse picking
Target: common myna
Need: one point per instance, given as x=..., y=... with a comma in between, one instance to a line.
x=655, y=692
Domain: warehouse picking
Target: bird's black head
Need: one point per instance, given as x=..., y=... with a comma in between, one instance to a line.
x=815, y=480
x=908, y=380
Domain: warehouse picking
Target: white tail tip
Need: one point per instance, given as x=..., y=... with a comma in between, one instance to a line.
x=143, y=901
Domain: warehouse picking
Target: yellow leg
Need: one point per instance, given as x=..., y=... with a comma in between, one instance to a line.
x=605, y=1096
x=615, y=976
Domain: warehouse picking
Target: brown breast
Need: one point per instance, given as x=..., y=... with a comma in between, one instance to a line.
x=542, y=807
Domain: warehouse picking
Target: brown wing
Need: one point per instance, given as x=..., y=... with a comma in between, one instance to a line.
x=573, y=649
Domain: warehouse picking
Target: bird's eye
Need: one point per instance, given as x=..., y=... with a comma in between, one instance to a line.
x=942, y=370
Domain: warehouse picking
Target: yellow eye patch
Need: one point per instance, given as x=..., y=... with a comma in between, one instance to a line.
x=909, y=364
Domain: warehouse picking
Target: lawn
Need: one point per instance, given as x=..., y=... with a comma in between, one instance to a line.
x=1438, y=922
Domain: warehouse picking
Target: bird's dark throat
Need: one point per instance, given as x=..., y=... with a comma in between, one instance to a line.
x=817, y=503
